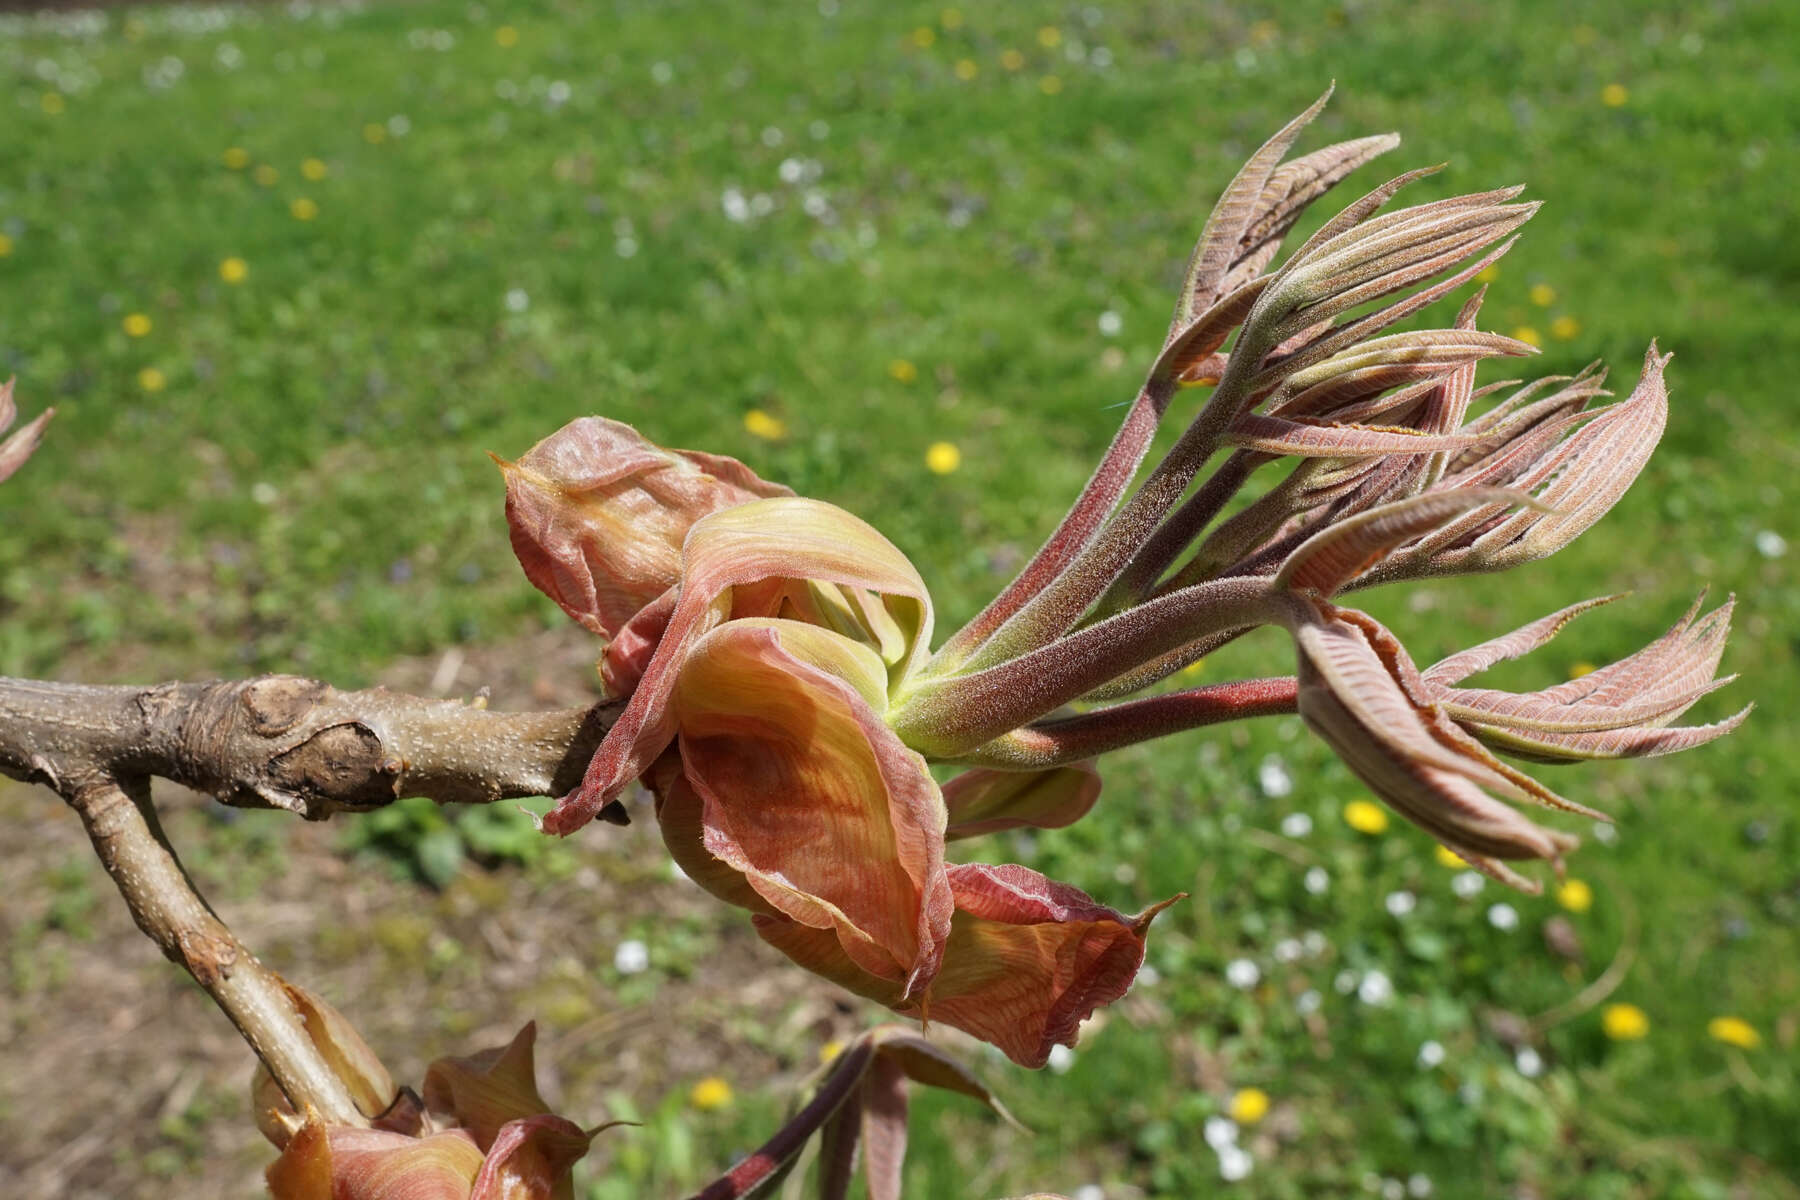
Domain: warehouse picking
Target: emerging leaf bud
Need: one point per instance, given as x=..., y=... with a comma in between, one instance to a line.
x=597, y=515
x=1361, y=693
x=487, y=1136
x=1623, y=710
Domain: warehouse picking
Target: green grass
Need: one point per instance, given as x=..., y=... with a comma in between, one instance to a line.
x=307, y=490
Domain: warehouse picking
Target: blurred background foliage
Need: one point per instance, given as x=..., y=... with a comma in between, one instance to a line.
x=287, y=271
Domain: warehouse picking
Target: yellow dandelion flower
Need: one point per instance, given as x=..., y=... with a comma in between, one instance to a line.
x=265, y=175
x=710, y=1094
x=1614, y=95
x=234, y=270
x=923, y=36
x=941, y=458
x=135, y=325
x=374, y=133
x=1542, y=295
x=1012, y=60
x=1734, y=1031
x=5, y=245
x=314, y=169
x=1264, y=32
x=1488, y=273
x=52, y=103
x=903, y=371
x=1528, y=335
x=967, y=69
x=1194, y=668
x=1449, y=858
x=764, y=425
x=1575, y=895
x=1578, y=669
x=1564, y=329
x=235, y=157
x=1050, y=85
x=1049, y=37
x=830, y=1050
x=951, y=18
x=506, y=35
x=303, y=208
x=152, y=380
x=1365, y=816
x=1249, y=1106
x=1624, y=1022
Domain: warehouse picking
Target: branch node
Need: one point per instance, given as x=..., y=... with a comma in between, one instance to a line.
x=277, y=703
x=206, y=955
x=340, y=767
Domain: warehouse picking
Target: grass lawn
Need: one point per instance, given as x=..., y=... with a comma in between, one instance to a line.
x=287, y=271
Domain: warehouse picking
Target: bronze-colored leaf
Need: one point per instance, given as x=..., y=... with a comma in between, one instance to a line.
x=1346, y=548
x=1237, y=210
x=1290, y=190
x=1272, y=435
x=597, y=515
x=1506, y=647
x=484, y=1091
x=532, y=1158
x=741, y=562
x=1622, y=710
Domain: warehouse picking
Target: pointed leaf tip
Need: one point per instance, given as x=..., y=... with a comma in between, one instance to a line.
x=484, y=1091
x=16, y=449
x=1335, y=556
x=1231, y=217
x=1141, y=922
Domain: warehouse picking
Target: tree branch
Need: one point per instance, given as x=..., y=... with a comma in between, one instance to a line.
x=273, y=742
x=296, y=744
x=125, y=833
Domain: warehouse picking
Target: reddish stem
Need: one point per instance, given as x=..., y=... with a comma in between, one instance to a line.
x=1073, y=739
x=946, y=718
x=1083, y=520
x=775, y=1153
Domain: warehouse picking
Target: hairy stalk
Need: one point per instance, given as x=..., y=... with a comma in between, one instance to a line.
x=1056, y=609
x=1061, y=741
x=1078, y=526
x=1159, y=669
x=767, y=1163
x=1177, y=533
x=1223, y=288
x=946, y=718
x=1241, y=234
